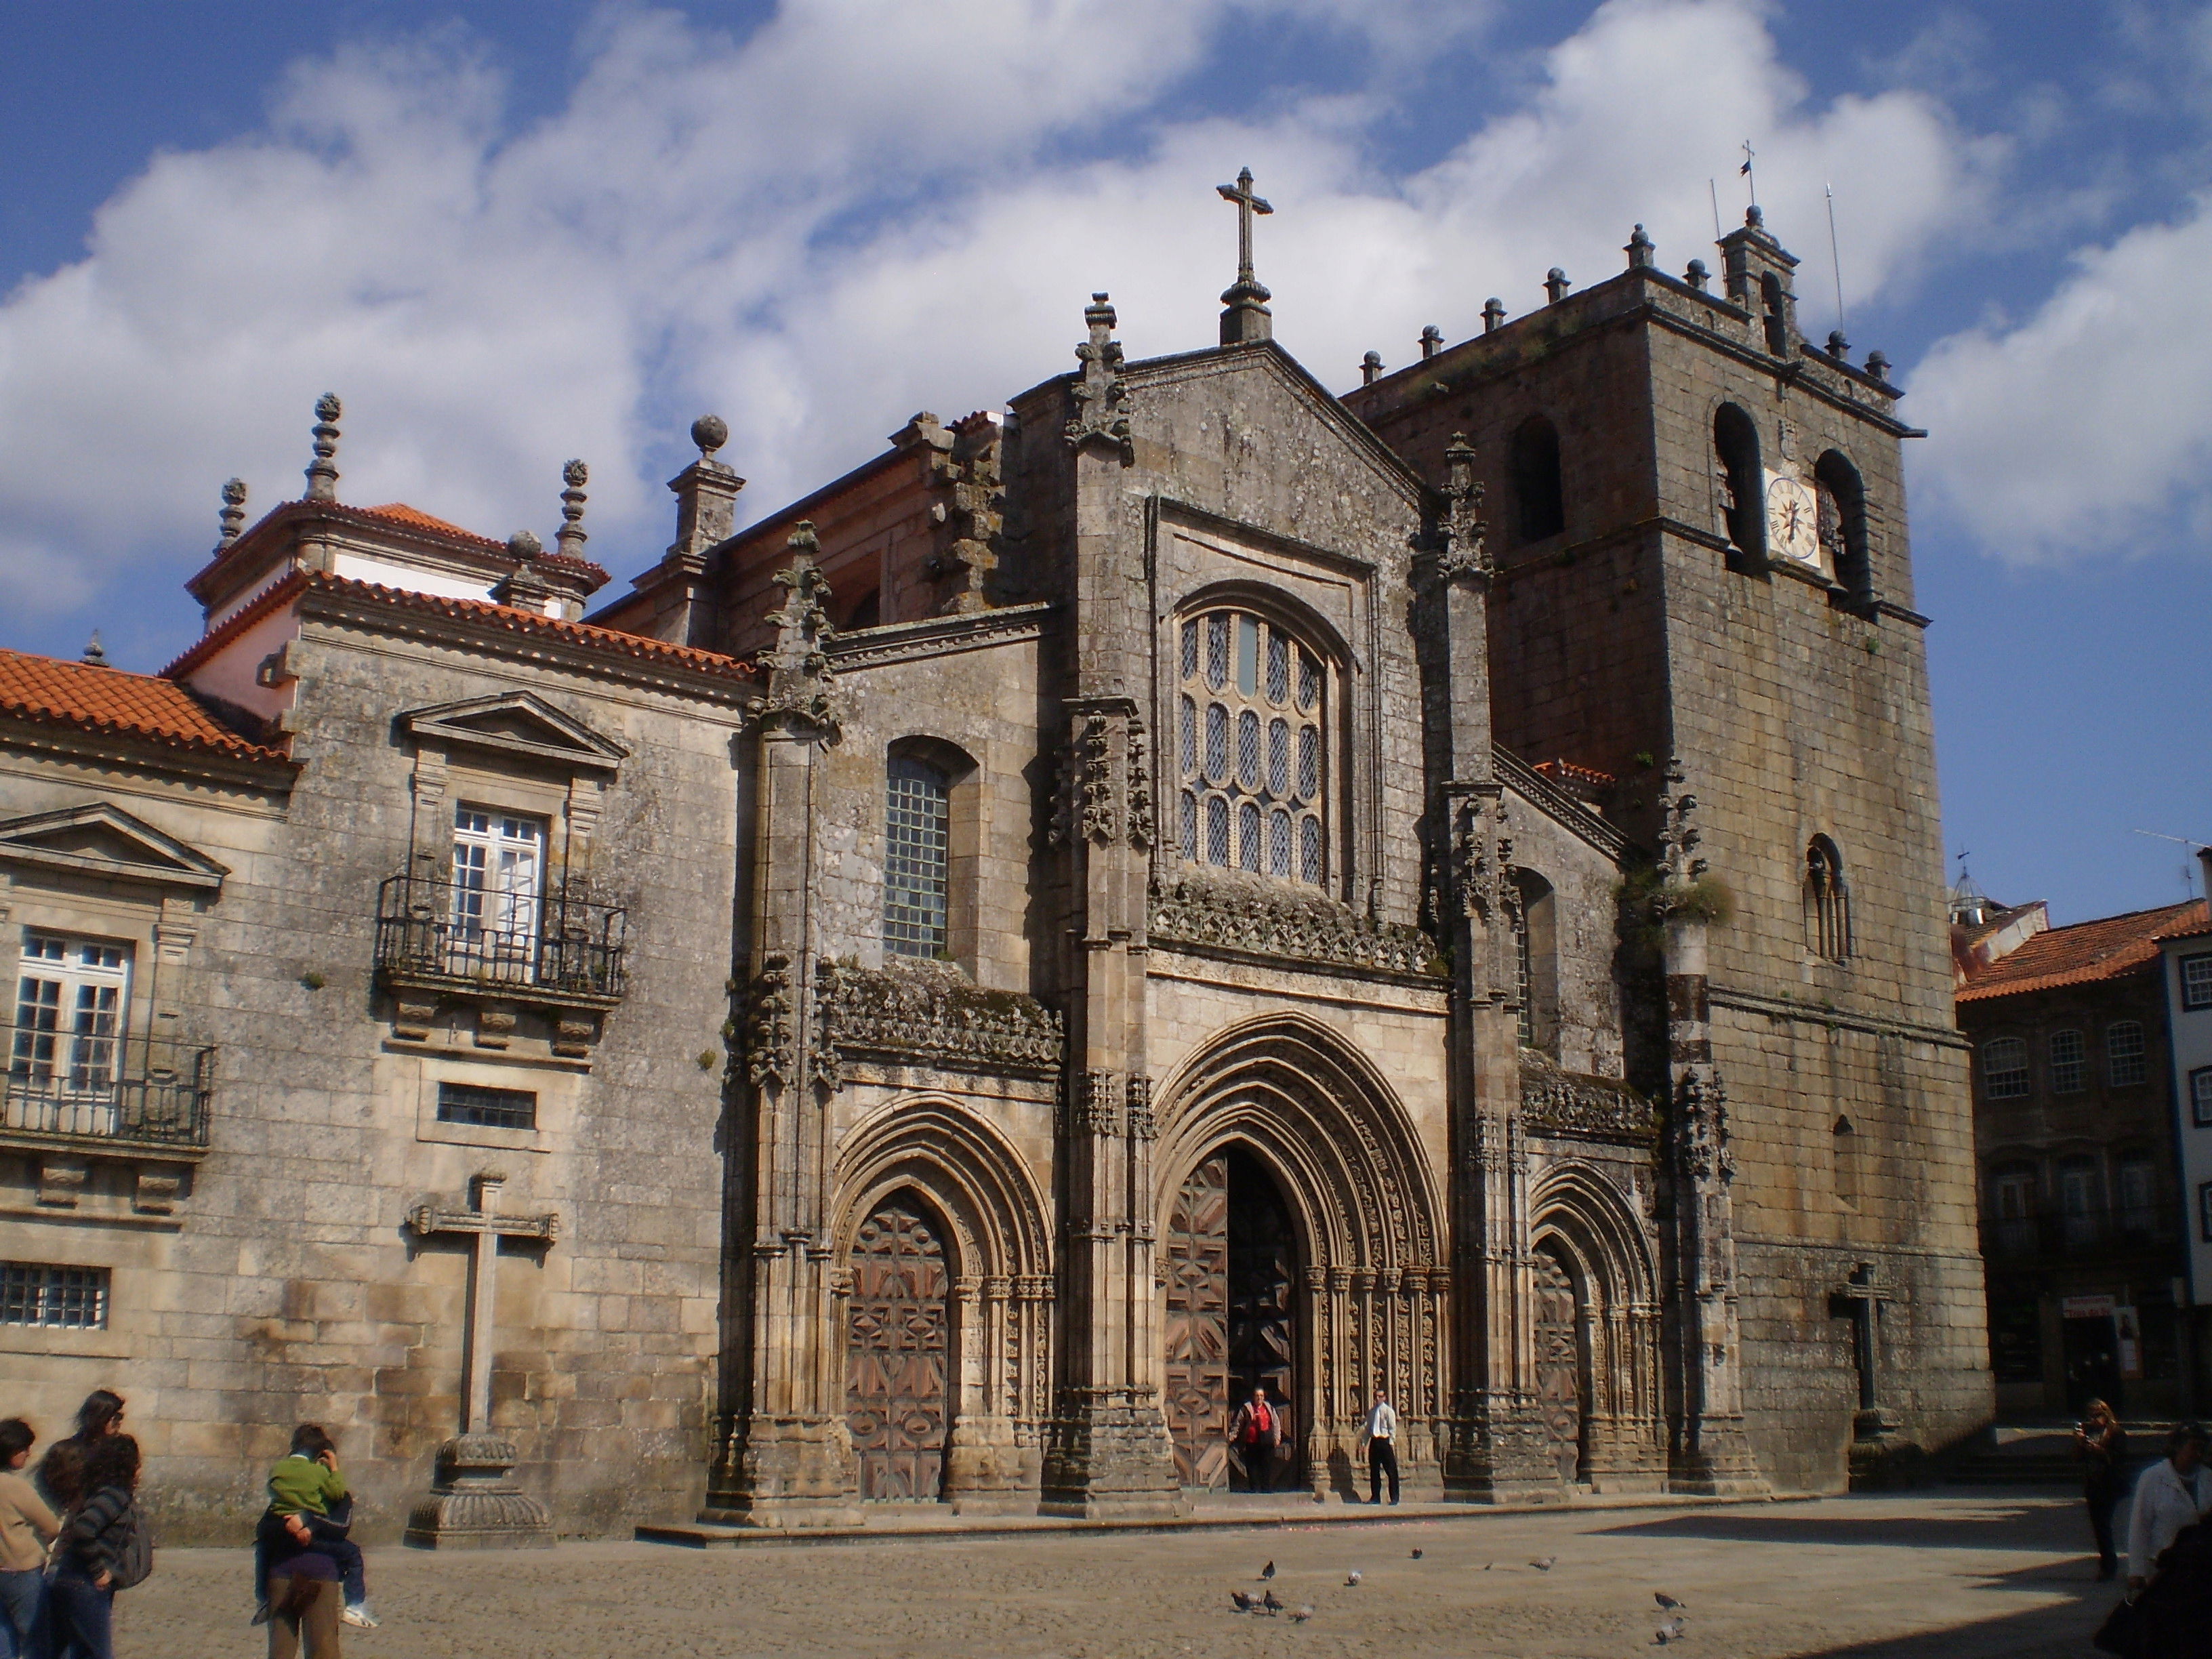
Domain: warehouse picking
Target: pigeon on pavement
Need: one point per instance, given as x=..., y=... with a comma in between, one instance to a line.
x=1354, y=1579
x=1273, y=1602
x=1301, y=1614
x=1417, y=1555
x=1267, y=1571
x=1244, y=1603
x=1673, y=1631
x=1665, y=1600
x=1545, y=1565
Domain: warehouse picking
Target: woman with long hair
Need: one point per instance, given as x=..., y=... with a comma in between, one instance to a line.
x=2103, y=1449
x=62, y=1472
x=101, y=1528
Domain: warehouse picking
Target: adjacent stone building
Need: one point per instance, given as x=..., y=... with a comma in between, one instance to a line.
x=2084, y=1219
x=1183, y=881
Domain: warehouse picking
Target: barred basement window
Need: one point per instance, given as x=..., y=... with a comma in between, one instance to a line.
x=2070, y=1070
x=2125, y=1056
x=40, y=1293
x=1250, y=717
x=487, y=1108
x=916, y=866
x=2004, y=1069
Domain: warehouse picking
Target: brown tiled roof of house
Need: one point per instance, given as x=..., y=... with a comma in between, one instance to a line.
x=95, y=698
x=507, y=617
x=400, y=513
x=2108, y=948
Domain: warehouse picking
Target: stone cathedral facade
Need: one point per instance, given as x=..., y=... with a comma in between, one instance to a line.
x=1185, y=880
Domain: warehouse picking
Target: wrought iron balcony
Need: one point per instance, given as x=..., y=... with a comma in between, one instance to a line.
x=445, y=936
x=64, y=1086
x=2131, y=1229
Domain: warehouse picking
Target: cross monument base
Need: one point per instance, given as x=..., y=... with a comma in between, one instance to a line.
x=474, y=1504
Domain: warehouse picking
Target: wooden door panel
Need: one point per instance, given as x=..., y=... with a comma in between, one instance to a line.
x=1195, y=1335
x=1559, y=1364
x=897, y=1377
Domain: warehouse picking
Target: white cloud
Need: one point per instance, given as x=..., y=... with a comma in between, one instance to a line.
x=2087, y=428
x=854, y=212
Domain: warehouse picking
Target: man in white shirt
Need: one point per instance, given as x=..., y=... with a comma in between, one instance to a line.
x=1381, y=1434
x=2171, y=1494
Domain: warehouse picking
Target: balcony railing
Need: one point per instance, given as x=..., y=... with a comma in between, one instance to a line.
x=2025, y=1239
x=65, y=1085
x=436, y=931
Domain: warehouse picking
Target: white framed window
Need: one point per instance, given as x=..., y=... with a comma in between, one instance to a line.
x=917, y=863
x=1251, y=748
x=499, y=878
x=2200, y=1096
x=2196, y=982
x=2138, y=1183
x=43, y=1293
x=2126, y=1054
x=2070, y=1068
x=72, y=1008
x=2004, y=1069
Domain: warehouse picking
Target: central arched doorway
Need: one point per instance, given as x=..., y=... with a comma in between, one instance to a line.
x=1231, y=1258
x=898, y=1372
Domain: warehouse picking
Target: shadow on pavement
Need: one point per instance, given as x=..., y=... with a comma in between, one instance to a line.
x=2061, y=1632
x=2045, y=1527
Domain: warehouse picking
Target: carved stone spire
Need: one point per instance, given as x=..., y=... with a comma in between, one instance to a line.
x=1463, y=556
x=1099, y=394
x=569, y=539
x=801, y=689
x=1245, y=316
x=94, y=653
x=323, y=471
x=233, y=511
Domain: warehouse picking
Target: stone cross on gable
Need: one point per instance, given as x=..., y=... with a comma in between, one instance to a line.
x=1247, y=317
x=485, y=1224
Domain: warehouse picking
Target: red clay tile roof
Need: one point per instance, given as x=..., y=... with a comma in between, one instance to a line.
x=2108, y=948
x=93, y=698
x=1565, y=772
x=403, y=514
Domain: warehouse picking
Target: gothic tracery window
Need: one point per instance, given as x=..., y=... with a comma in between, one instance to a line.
x=1250, y=750
x=1827, y=901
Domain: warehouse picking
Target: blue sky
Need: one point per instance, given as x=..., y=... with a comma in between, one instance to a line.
x=510, y=233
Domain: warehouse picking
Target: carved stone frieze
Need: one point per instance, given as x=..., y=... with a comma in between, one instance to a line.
x=1097, y=1102
x=1210, y=913
x=1700, y=1127
x=768, y=1026
x=1482, y=857
x=1142, y=1125
x=1581, y=1107
x=924, y=1014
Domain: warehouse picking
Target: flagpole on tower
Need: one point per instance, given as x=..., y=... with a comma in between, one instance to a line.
x=1751, y=179
x=1835, y=255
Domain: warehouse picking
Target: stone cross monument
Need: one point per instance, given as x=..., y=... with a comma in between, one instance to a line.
x=474, y=1502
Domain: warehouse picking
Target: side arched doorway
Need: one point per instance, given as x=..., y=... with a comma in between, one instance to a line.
x=1563, y=1388
x=898, y=1371
x=1231, y=1255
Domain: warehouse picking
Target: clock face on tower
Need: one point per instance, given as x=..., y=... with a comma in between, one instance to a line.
x=1793, y=522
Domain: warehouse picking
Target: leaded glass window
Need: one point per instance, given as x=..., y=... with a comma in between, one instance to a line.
x=1251, y=715
x=916, y=858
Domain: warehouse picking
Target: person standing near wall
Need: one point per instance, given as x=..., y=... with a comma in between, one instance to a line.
x=103, y=1549
x=28, y=1526
x=62, y=1471
x=1380, y=1432
x=2102, y=1446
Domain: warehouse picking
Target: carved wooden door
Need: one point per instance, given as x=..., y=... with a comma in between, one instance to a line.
x=1263, y=1274
x=897, y=1382
x=1559, y=1364
x=1195, y=1336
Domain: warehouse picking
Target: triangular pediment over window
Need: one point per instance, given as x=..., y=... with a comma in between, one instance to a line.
x=517, y=723
x=105, y=840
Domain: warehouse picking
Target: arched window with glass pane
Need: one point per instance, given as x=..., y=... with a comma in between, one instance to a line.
x=917, y=859
x=1251, y=747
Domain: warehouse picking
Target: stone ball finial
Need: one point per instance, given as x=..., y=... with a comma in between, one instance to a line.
x=233, y=492
x=1432, y=340
x=1837, y=345
x=524, y=545
x=1754, y=218
x=1494, y=315
x=1698, y=274
x=1878, y=365
x=1371, y=368
x=328, y=408
x=710, y=433
x=576, y=475
x=94, y=653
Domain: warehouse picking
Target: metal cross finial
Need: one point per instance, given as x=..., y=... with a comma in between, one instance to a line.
x=1247, y=205
x=1751, y=179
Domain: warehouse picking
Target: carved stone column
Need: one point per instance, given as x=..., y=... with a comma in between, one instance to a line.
x=787, y=1460
x=1707, y=1451
x=1107, y=1453
x=1495, y=1444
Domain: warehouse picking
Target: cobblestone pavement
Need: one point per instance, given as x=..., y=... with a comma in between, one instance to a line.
x=1940, y=1577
